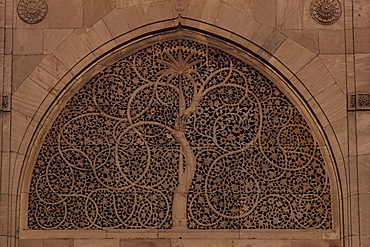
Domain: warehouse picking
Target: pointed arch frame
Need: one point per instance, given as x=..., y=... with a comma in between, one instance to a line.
x=89, y=65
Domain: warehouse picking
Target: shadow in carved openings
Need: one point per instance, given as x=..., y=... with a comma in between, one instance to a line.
x=179, y=135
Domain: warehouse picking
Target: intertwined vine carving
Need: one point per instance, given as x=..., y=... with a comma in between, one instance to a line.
x=179, y=134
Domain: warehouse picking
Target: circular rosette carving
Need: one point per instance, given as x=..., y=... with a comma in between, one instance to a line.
x=32, y=11
x=311, y=211
x=325, y=12
x=273, y=212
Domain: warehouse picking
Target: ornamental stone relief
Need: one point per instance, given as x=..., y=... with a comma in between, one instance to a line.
x=326, y=12
x=32, y=11
x=179, y=134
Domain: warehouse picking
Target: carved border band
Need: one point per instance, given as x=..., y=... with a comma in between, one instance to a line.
x=359, y=101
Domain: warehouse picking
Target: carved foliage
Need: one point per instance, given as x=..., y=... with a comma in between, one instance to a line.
x=179, y=134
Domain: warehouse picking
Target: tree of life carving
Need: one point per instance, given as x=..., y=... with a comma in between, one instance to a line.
x=179, y=135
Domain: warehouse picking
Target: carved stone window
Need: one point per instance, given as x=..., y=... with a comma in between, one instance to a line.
x=179, y=134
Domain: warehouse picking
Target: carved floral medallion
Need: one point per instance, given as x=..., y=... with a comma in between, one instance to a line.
x=179, y=134
x=32, y=11
x=326, y=12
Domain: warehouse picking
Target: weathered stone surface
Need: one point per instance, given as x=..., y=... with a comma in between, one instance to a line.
x=95, y=10
x=331, y=41
x=289, y=14
x=146, y=243
x=96, y=243
x=53, y=38
x=28, y=41
x=316, y=243
x=261, y=243
x=22, y=67
x=66, y=13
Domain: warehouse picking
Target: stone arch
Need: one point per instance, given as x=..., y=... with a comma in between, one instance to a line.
x=286, y=88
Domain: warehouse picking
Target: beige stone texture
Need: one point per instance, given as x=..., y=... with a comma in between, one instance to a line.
x=364, y=202
x=289, y=14
x=361, y=9
x=28, y=41
x=223, y=18
x=135, y=17
x=22, y=67
x=114, y=17
x=66, y=13
x=19, y=124
x=336, y=65
x=363, y=132
x=315, y=76
x=28, y=92
x=201, y=242
x=273, y=41
x=95, y=36
x=49, y=73
x=130, y=3
x=145, y=243
x=333, y=102
x=53, y=38
x=341, y=134
x=363, y=174
x=58, y=243
x=293, y=55
x=72, y=50
x=3, y=240
x=261, y=243
x=31, y=242
x=331, y=41
x=263, y=11
x=96, y=243
x=160, y=10
x=210, y=11
x=362, y=40
x=94, y=10
x=307, y=38
x=313, y=104
x=362, y=70
x=316, y=243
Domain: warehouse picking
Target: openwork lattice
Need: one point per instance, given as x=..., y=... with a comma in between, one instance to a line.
x=179, y=134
